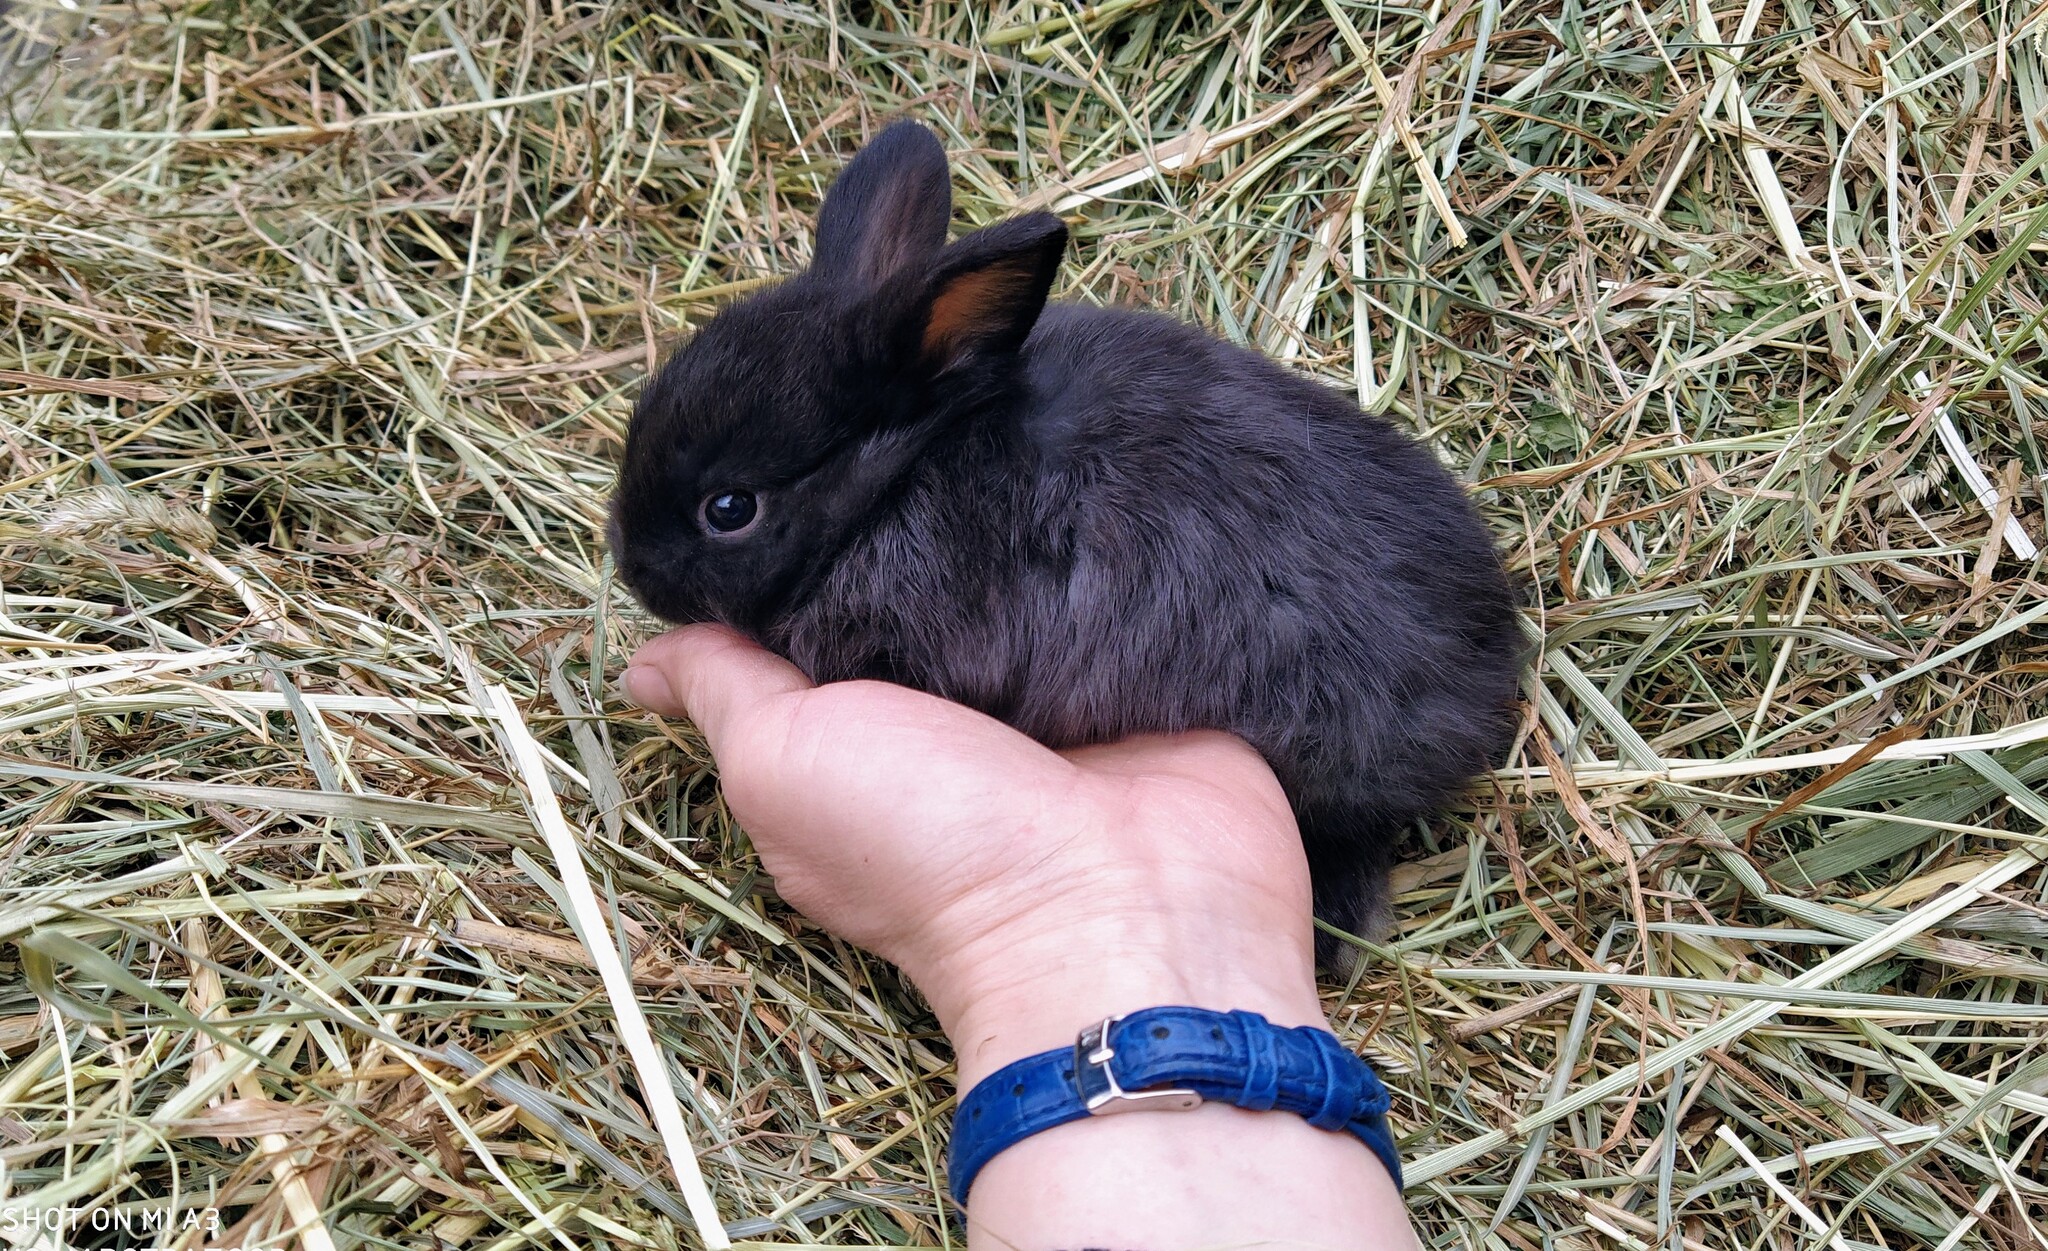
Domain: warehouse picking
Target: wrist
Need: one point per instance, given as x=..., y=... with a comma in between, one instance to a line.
x=1227, y=1103
x=1036, y=996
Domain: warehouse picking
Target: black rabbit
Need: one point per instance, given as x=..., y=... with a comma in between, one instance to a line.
x=1088, y=522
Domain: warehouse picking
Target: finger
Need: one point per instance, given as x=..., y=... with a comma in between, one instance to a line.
x=711, y=675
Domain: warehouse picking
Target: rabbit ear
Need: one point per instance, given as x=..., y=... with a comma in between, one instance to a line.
x=989, y=287
x=887, y=210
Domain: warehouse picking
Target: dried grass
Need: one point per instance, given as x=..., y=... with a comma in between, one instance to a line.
x=321, y=325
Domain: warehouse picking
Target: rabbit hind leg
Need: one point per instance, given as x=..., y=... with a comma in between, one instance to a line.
x=1350, y=855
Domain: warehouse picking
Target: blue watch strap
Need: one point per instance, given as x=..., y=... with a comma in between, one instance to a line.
x=1175, y=1059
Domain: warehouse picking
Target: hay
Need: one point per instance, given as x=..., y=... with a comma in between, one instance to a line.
x=321, y=327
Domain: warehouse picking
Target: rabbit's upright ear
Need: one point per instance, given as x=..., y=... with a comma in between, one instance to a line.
x=988, y=289
x=887, y=211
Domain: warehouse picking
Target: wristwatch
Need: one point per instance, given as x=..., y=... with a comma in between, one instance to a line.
x=1173, y=1059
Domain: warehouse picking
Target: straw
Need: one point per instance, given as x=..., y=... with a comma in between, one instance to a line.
x=341, y=896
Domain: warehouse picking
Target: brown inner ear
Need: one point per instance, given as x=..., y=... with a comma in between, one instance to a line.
x=970, y=307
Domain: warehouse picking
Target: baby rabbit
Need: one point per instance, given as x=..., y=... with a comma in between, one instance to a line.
x=1088, y=522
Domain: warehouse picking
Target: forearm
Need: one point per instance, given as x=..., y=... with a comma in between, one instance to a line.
x=1167, y=1181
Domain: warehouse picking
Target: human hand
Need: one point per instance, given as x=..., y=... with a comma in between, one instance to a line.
x=1030, y=893
x=999, y=875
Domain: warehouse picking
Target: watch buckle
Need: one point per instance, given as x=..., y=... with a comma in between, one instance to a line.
x=1093, y=1053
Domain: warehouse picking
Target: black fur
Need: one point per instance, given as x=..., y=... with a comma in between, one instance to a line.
x=1116, y=525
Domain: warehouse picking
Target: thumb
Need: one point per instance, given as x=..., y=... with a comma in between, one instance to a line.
x=713, y=676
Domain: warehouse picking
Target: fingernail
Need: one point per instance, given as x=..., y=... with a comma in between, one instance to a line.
x=648, y=687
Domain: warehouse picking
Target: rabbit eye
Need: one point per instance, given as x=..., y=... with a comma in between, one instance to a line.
x=730, y=511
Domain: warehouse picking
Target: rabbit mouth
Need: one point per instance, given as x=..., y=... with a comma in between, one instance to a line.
x=658, y=587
